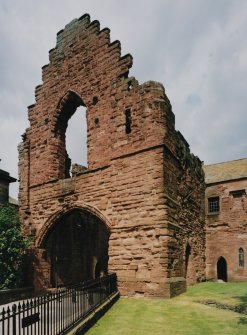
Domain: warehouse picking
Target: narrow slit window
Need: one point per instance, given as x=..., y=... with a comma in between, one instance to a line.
x=128, y=121
x=241, y=258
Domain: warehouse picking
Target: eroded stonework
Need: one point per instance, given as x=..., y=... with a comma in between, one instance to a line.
x=142, y=188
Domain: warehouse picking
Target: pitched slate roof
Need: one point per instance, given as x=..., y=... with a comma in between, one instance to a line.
x=231, y=170
x=4, y=175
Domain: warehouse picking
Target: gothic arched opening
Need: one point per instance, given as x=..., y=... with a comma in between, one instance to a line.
x=189, y=273
x=77, y=248
x=70, y=104
x=76, y=137
x=222, y=269
x=187, y=259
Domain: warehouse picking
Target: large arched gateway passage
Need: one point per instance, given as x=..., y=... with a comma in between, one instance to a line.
x=77, y=248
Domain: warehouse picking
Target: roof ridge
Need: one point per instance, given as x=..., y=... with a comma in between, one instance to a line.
x=234, y=160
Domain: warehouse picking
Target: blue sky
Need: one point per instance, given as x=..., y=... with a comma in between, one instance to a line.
x=196, y=48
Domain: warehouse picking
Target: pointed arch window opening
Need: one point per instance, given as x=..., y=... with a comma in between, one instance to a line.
x=76, y=139
x=71, y=135
x=240, y=258
x=187, y=258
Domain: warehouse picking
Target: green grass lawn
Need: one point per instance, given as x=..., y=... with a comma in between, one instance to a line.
x=180, y=315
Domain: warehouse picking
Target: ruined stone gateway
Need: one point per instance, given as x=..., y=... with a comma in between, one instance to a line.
x=138, y=209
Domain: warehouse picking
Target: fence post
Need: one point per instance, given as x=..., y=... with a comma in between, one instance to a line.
x=14, y=318
x=3, y=319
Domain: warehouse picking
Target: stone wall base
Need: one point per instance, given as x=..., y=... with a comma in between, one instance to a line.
x=166, y=288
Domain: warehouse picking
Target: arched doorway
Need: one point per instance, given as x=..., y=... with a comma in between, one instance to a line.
x=187, y=260
x=76, y=242
x=222, y=269
x=189, y=271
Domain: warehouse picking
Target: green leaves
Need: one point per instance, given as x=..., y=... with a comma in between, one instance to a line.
x=12, y=248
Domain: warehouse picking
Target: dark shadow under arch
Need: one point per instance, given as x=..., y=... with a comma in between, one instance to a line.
x=98, y=270
x=41, y=238
x=74, y=244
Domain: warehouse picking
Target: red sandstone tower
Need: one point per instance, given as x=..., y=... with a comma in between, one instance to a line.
x=138, y=209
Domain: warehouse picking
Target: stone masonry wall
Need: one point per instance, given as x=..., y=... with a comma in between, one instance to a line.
x=227, y=230
x=138, y=170
x=184, y=191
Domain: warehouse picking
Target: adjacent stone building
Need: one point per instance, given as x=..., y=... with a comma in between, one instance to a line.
x=138, y=208
x=226, y=219
x=5, y=180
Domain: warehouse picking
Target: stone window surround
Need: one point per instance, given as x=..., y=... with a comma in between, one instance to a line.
x=213, y=205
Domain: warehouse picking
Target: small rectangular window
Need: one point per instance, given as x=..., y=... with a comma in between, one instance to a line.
x=237, y=193
x=213, y=205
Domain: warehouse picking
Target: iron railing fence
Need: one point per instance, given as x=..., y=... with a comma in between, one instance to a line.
x=54, y=313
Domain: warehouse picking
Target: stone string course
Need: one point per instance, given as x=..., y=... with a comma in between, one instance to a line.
x=144, y=185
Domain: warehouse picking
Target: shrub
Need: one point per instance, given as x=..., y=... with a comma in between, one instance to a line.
x=12, y=248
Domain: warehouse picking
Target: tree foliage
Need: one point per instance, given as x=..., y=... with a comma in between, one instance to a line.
x=12, y=248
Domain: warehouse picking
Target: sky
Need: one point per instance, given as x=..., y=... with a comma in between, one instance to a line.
x=196, y=48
